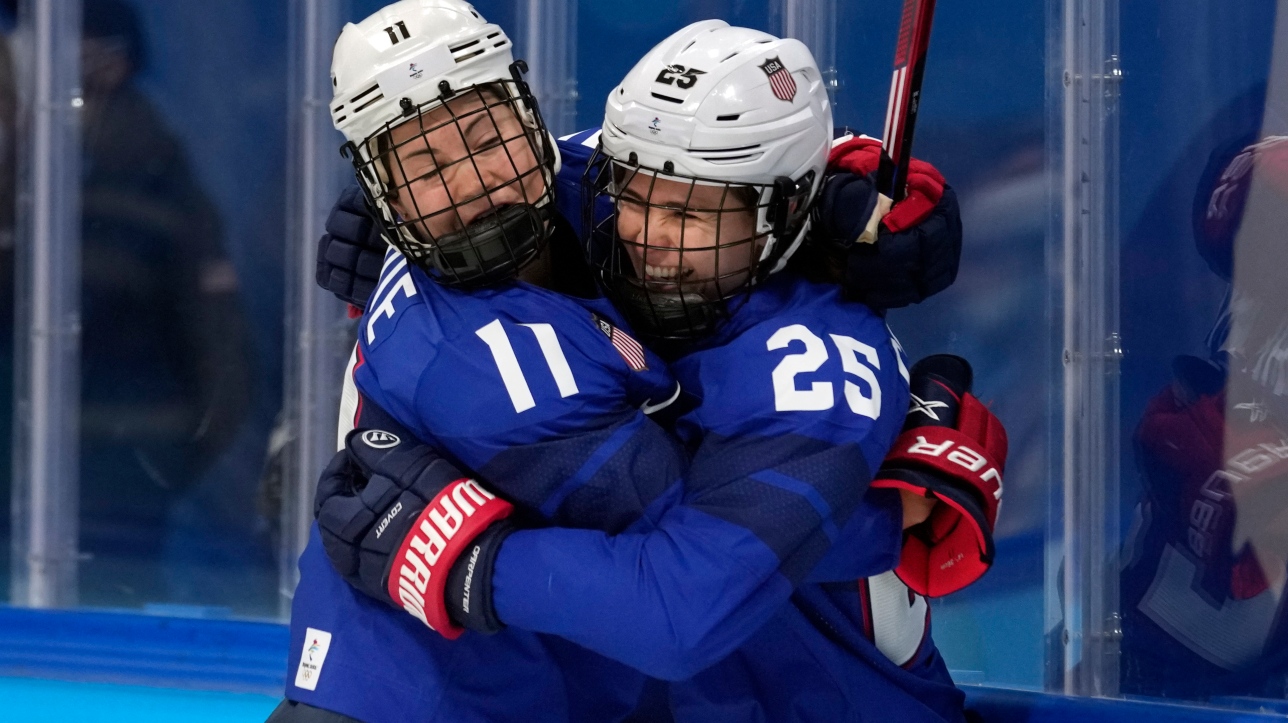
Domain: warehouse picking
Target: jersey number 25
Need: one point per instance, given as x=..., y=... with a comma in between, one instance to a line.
x=857, y=359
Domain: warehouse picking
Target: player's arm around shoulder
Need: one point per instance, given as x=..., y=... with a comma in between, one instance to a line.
x=575, y=151
x=773, y=481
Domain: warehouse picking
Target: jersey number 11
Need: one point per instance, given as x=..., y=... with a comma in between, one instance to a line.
x=508, y=364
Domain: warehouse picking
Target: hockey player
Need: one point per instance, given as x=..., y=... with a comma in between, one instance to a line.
x=701, y=220
x=452, y=312
x=452, y=151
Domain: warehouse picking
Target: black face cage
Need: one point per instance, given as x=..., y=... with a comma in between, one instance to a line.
x=666, y=309
x=471, y=236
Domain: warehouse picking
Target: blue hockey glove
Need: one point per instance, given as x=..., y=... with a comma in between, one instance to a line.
x=397, y=521
x=352, y=251
x=919, y=242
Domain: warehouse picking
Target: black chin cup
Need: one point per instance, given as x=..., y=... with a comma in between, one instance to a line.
x=657, y=315
x=493, y=248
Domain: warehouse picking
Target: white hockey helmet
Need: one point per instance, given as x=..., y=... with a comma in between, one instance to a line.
x=714, y=104
x=406, y=60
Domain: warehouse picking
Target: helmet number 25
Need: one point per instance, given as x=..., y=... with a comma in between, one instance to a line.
x=857, y=359
x=683, y=78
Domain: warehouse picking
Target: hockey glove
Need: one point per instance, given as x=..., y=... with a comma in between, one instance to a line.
x=352, y=251
x=954, y=449
x=861, y=156
x=918, y=246
x=404, y=526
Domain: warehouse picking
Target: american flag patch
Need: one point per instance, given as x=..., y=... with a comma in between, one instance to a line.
x=631, y=351
x=780, y=79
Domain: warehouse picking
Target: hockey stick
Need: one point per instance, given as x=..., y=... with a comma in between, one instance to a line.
x=901, y=110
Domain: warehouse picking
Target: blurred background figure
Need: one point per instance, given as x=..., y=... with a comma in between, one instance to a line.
x=166, y=362
x=164, y=355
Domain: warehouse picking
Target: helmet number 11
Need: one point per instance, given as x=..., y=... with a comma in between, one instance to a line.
x=857, y=359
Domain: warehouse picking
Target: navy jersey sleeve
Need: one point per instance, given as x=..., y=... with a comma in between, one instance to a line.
x=868, y=544
x=793, y=427
x=574, y=154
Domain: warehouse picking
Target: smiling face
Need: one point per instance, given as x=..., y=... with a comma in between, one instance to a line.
x=459, y=161
x=686, y=235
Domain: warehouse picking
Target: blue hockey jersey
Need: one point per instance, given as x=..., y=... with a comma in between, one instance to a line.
x=801, y=395
x=540, y=393
x=544, y=397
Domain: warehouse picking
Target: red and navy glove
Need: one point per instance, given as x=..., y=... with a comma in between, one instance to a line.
x=918, y=246
x=352, y=251
x=862, y=155
x=953, y=449
x=405, y=526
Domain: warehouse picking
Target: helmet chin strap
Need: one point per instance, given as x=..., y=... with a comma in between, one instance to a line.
x=788, y=222
x=665, y=315
x=554, y=147
x=492, y=248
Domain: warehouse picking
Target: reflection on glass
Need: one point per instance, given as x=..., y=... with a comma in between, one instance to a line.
x=1204, y=579
x=1205, y=386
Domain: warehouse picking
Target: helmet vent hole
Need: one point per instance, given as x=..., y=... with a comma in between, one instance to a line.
x=373, y=100
x=359, y=96
x=751, y=147
x=720, y=160
x=730, y=117
x=666, y=98
x=730, y=55
x=466, y=46
x=690, y=45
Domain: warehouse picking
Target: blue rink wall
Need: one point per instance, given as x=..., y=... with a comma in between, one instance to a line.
x=1082, y=197
x=119, y=667
x=29, y=700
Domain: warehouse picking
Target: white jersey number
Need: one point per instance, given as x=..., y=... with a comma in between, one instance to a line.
x=857, y=359
x=508, y=364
